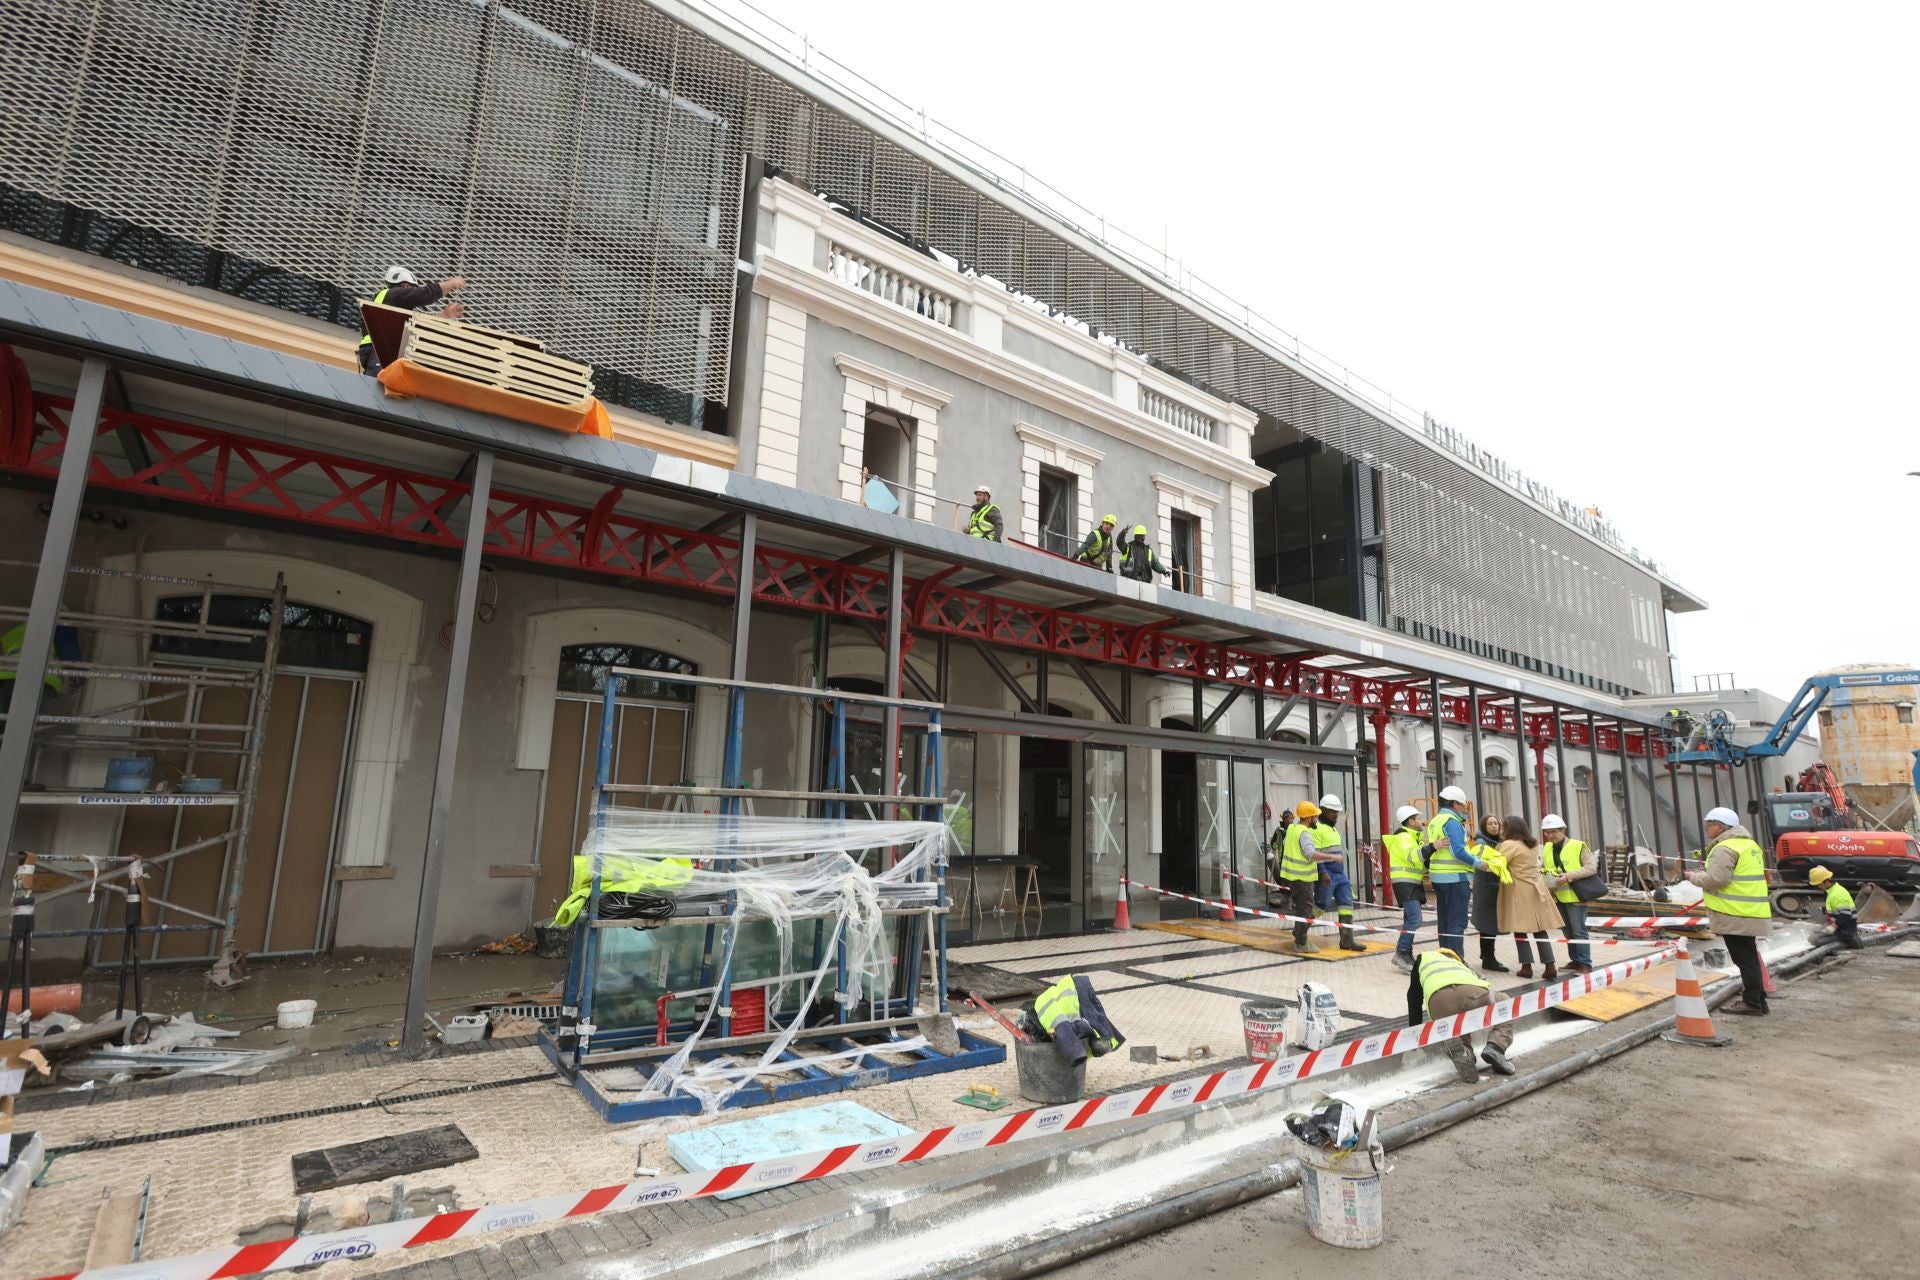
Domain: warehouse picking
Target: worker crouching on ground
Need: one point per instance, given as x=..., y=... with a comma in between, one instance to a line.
x=1526, y=906
x=1564, y=861
x=1407, y=871
x=1450, y=861
x=1097, y=550
x=1333, y=890
x=1138, y=561
x=1070, y=1014
x=1485, y=914
x=985, y=520
x=1300, y=872
x=1443, y=986
x=1846, y=925
x=404, y=289
x=1734, y=892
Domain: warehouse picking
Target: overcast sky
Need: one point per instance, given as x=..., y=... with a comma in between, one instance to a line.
x=1661, y=256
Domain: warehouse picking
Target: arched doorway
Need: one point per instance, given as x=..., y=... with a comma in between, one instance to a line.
x=651, y=736
x=287, y=899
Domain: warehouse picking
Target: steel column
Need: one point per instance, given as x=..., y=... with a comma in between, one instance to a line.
x=890, y=715
x=1626, y=793
x=1694, y=771
x=1602, y=794
x=1679, y=826
x=1474, y=745
x=1439, y=745
x=1560, y=760
x=49, y=585
x=413, y=1029
x=1520, y=736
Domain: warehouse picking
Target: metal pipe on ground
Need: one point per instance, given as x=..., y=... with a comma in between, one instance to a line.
x=1099, y=1237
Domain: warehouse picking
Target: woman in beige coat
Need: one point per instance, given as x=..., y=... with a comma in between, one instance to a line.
x=1526, y=904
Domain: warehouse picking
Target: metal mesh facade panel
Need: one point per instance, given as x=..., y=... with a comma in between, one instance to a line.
x=581, y=160
x=542, y=149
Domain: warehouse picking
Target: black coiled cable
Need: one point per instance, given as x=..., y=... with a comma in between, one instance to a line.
x=654, y=908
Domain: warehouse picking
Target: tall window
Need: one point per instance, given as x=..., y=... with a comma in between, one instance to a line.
x=1056, y=512
x=886, y=456
x=1499, y=786
x=1184, y=552
x=1434, y=782
x=1583, y=802
x=1316, y=530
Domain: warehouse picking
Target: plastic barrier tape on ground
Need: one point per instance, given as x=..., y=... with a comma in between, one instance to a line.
x=1042, y=1122
x=1605, y=922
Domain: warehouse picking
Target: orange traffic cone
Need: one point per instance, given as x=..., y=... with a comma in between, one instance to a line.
x=1226, y=898
x=1122, y=918
x=1692, y=1023
x=1766, y=979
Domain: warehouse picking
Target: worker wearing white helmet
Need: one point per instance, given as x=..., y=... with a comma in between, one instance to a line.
x=1408, y=872
x=1562, y=862
x=404, y=289
x=1450, y=862
x=985, y=520
x=1734, y=892
x=1335, y=890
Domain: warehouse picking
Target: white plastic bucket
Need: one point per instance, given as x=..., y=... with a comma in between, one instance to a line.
x=295, y=1014
x=1342, y=1191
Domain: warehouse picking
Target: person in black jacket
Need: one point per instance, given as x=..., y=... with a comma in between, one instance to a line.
x=406, y=290
x=1138, y=560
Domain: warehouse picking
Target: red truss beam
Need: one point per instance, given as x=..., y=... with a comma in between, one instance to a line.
x=225, y=471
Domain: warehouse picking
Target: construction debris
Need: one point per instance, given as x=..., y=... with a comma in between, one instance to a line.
x=380, y=1158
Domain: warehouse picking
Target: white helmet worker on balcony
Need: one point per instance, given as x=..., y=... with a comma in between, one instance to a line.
x=403, y=289
x=985, y=520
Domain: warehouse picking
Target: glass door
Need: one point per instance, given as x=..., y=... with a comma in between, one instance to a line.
x=1213, y=824
x=1249, y=827
x=1105, y=789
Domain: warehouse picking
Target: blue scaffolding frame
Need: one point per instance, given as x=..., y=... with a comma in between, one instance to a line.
x=579, y=1047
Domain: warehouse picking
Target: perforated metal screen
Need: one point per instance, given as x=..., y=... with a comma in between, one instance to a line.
x=581, y=161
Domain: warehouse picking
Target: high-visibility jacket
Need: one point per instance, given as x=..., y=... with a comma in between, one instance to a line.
x=1296, y=859
x=1438, y=972
x=1076, y=1027
x=1560, y=864
x=1443, y=861
x=1838, y=899
x=1746, y=894
x=1326, y=837
x=379, y=300
x=620, y=875
x=1097, y=549
x=980, y=523
x=1061, y=1000
x=11, y=644
x=1403, y=856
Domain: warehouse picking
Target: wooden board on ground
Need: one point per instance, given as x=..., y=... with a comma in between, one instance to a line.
x=381, y=1158
x=1642, y=991
x=116, y=1227
x=1263, y=937
x=1906, y=950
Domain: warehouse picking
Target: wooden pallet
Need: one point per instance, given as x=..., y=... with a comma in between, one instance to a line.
x=492, y=358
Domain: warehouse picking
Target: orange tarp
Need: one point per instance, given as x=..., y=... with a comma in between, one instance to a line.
x=405, y=378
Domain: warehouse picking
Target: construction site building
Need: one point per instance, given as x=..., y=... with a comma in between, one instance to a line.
x=816, y=331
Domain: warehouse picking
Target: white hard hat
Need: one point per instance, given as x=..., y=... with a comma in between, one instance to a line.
x=1453, y=795
x=1725, y=817
x=1330, y=802
x=984, y=488
x=1551, y=821
x=1404, y=812
x=400, y=275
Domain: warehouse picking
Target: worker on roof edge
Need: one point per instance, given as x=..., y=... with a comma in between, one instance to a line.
x=985, y=520
x=1097, y=550
x=1137, y=560
x=404, y=289
x=1846, y=924
x=1734, y=885
x=1450, y=861
x=1300, y=873
x=1333, y=890
x=1442, y=986
x=1407, y=871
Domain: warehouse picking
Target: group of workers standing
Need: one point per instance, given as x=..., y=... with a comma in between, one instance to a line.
x=1102, y=548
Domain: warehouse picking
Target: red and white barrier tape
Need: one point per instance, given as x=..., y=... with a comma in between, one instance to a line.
x=1042, y=1122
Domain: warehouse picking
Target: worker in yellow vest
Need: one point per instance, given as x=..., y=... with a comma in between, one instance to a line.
x=1097, y=550
x=1846, y=925
x=1443, y=986
x=1733, y=885
x=1562, y=861
x=1451, y=861
x=1300, y=872
x=1407, y=871
x=406, y=290
x=1334, y=890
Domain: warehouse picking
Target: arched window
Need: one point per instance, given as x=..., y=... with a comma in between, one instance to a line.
x=1292, y=736
x=309, y=635
x=584, y=667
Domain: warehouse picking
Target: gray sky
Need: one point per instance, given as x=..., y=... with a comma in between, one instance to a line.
x=1660, y=256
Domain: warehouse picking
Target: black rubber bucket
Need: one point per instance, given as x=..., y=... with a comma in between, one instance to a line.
x=1045, y=1076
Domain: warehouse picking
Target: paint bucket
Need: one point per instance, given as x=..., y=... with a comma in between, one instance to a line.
x=1264, y=1024
x=1342, y=1192
x=1045, y=1076
x=129, y=773
x=294, y=1014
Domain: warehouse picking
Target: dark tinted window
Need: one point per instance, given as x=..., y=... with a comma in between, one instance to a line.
x=583, y=669
x=309, y=635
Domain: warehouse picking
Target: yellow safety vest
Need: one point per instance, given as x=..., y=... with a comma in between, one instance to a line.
x=379, y=299
x=11, y=643
x=1325, y=837
x=1438, y=972
x=1403, y=856
x=620, y=875
x=978, y=526
x=1559, y=864
x=1838, y=899
x=1296, y=863
x=1102, y=549
x=1061, y=1000
x=1443, y=861
x=1746, y=895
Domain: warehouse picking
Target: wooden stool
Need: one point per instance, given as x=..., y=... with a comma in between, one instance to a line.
x=965, y=894
x=1028, y=892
